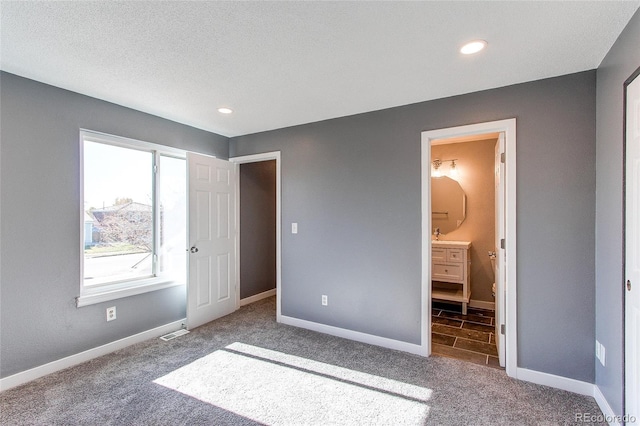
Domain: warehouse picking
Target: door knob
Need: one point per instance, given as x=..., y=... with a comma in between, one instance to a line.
x=194, y=249
x=629, y=285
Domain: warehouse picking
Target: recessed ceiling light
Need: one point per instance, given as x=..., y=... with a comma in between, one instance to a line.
x=473, y=47
x=225, y=110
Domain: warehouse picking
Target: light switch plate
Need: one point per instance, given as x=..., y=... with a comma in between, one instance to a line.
x=294, y=228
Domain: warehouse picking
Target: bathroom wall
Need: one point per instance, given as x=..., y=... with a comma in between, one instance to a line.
x=475, y=164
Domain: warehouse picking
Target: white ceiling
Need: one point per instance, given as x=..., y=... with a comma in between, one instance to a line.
x=279, y=64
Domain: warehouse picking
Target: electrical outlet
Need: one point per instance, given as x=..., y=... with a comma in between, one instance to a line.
x=111, y=313
x=325, y=300
x=294, y=228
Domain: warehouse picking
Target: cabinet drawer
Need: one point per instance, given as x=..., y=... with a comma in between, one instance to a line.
x=439, y=254
x=447, y=271
x=454, y=255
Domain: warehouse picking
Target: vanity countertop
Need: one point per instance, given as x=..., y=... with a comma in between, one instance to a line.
x=452, y=244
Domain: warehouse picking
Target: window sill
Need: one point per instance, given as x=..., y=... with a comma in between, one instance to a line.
x=99, y=295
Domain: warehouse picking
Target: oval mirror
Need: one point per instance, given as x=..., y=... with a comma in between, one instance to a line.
x=448, y=204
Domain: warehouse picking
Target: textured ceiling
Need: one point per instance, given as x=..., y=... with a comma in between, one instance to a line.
x=279, y=64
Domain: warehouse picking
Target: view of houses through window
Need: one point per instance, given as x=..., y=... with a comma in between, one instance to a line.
x=134, y=214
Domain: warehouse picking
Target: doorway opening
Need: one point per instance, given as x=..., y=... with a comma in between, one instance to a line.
x=465, y=207
x=214, y=286
x=447, y=270
x=258, y=219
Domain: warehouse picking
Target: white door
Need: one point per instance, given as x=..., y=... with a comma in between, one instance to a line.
x=211, y=292
x=632, y=252
x=500, y=252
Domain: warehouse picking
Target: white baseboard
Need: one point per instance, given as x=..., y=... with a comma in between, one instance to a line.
x=609, y=415
x=481, y=304
x=558, y=382
x=256, y=297
x=355, y=335
x=51, y=367
x=575, y=386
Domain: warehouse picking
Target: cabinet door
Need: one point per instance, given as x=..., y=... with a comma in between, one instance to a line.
x=448, y=272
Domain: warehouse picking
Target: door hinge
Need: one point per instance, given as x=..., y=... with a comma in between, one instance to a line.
x=502, y=157
x=503, y=244
x=502, y=329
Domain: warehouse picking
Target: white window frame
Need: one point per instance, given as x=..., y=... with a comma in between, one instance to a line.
x=119, y=289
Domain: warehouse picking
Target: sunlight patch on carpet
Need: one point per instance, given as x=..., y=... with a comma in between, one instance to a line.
x=279, y=389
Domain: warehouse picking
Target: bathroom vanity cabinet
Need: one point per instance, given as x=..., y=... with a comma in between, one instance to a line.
x=450, y=267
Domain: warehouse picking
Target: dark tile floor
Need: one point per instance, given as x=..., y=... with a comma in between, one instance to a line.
x=467, y=337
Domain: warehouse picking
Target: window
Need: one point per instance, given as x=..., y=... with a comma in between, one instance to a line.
x=134, y=217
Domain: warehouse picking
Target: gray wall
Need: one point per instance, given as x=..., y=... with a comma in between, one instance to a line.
x=621, y=61
x=40, y=227
x=353, y=185
x=257, y=227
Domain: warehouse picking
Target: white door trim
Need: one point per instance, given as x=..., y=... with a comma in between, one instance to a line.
x=509, y=128
x=266, y=156
x=631, y=152
x=499, y=270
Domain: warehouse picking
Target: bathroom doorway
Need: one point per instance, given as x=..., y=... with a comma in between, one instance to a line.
x=481, y=159
x=463, y=248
